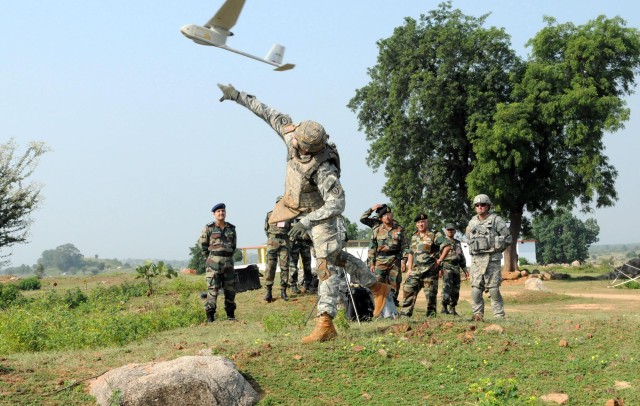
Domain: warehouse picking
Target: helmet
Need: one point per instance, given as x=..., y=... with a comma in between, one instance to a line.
x=311, y=136
x=481, y=199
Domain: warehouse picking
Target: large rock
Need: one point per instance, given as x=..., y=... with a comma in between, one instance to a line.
x=535, y=284
x=186, y=381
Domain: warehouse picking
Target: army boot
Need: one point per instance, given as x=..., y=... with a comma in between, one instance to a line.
x=453, y=311
x=294, y=288
x=445, y=309
x=380, y=293
x=324, y=330
x=283, y=294
x=269, y=296
x=211, y=316
x=231, y=315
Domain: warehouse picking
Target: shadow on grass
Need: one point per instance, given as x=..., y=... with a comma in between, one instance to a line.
x=254, y=384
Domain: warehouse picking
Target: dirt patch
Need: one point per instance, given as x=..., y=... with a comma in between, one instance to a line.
x=590, y=306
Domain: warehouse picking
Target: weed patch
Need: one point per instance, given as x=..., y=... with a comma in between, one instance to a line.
x=536, y=297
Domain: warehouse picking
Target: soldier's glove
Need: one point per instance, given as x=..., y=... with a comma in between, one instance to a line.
x=228, y=92
x=298, y=230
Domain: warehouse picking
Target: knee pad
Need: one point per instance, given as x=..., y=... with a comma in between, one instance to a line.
x=322, y=268
x=341, y=259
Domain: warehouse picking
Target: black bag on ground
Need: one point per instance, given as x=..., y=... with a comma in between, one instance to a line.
x=247, y=278
x=363, y=304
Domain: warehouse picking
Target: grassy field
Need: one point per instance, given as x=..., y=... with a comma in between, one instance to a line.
x=580, y=339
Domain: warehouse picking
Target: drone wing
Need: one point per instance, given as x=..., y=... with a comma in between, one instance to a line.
x=227, y=15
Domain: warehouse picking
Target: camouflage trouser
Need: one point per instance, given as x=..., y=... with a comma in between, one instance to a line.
x=450, y=284
x=277, y=251
x=421, y=277
x=220, y=274
x=328, y=237
x=486, y=274
x=389, y=270
x=300, y=250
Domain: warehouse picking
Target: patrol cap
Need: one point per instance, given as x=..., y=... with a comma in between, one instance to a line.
x=384, y=209
x=218, y=207
x=450, y=226
x=421, y=216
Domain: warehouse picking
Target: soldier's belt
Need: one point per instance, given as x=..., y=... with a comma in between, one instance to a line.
x=222, y=253
x=285, y=236
x=387, y=254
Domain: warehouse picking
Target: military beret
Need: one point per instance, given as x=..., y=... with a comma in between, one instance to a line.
x=384, y=209
x=218, y=207
x=421, y=216
x=450, y=226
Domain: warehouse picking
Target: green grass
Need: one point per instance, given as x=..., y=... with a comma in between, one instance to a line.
x=426, y=362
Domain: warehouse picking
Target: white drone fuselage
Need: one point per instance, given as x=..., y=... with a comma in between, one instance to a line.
x=217, y=37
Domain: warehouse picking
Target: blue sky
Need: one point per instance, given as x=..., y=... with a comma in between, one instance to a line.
x=141, y=147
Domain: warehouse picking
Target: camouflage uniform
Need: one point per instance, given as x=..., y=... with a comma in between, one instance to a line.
x=487, y=239
x=277, y=249
x=324, y=223
x=219, y=245
x=387, y=269
x=453, y=262
x=301, y=248
x=424, y=274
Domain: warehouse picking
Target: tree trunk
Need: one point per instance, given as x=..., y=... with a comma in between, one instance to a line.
x=511, y=253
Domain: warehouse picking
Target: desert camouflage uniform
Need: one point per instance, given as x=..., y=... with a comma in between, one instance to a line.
x=324, y=224
x=300, y=249
x=219, y=245
x=277, y=249
x=453, y=262
x=394, y=274
x=424, y=274
x=487, y=239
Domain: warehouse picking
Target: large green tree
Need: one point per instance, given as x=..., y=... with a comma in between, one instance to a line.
x=451, y=111
x=18, y=197
x=562, y=238
x=65, y=257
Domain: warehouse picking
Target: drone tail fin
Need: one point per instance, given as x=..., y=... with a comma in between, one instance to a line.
x=275, y=54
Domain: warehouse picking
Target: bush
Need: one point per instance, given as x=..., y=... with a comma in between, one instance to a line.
x=523, y=261
x=10, y=295
x=32, y=283
x=74, y=297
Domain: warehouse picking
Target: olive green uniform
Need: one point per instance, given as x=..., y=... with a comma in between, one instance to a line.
x=424, y=273
x=218, y=245
x=278, y=248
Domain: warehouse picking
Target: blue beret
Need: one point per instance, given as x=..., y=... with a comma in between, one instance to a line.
x=218, y=207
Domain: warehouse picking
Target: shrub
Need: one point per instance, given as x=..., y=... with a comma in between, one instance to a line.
x=74, y=297
x=32, y=283
x=523, y=261
x=10, y=295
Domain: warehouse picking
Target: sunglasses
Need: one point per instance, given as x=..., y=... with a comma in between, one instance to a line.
x=481, y=204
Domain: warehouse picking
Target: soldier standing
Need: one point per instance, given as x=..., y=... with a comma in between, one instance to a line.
x=278, y=250
x=300, y=249
x=218, y=241
x=453, y=260
x=314, y=196
x=387, y=248
x=422, y=267
x=488, y=236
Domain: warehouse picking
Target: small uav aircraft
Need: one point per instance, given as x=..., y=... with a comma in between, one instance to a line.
x=216, y=31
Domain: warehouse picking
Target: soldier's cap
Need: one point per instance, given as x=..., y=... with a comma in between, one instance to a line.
x=384, y=209
x=421, y=216
x=218, y=207
x=450, y=226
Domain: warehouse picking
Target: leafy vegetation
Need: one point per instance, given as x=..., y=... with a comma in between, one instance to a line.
x=451, y=111
x=32, y=283
x=150, y=271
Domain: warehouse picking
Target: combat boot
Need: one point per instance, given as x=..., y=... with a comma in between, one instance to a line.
x=269, y=296
x=453, y=311
x=445, y=309
x=294, y=288
x=211, y=316
x=231, y=315
x=283, y=294
x=380, y=293
x=324, y=330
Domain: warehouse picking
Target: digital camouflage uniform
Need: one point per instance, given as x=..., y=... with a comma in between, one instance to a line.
x=388, y=268
x=487, y=239
x=453, y=263
x=277, y=251
x=424, y=273
x=218, y=245
x=301, y=249
x=322, y=222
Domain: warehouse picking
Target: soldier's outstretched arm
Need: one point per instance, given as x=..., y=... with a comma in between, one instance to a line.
x=277, y=120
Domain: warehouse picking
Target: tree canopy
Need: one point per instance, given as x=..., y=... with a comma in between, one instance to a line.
x=66, y=257
x=451, y=112
x=563, y=238
x=18, y=197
